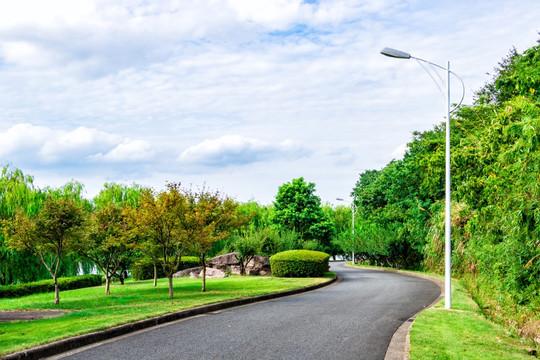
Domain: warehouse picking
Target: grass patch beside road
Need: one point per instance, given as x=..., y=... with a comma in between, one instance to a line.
x=462, y=333
x=91, y=310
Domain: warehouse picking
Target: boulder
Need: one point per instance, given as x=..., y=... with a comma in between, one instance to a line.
x=187, y=272
x=210, y=273
x=223, y=262
x=258, y=263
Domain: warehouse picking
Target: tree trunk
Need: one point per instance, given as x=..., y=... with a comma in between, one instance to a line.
x=203, y=274
x=155, y=275
x=107, y=285
x=56, y=291
x=170, y=286
x=242, y=268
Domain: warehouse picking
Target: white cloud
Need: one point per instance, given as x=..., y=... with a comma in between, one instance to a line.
x=40, y=145
x=128, y=151
x=239, y=150
x=119, y=89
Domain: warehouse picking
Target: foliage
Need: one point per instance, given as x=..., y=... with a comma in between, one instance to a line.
x=43, y=286
x=156, y=228
x=246, y=247
x=105, y=241
x=49, y=235
x=495, y=197
x=298, y=209
x=209, y=217
x=143, y=269
x=299, y=263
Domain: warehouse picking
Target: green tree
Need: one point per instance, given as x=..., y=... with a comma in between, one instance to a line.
x=298, y=209
x=17, y=191
x=49, y=235
x=105, y=241
x=209, y=217
x=155, y=228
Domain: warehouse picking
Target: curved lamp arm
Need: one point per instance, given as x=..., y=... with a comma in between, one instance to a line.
x=398, y=54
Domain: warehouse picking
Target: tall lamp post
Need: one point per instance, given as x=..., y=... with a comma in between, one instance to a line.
x=448, y=245
x=353, y=210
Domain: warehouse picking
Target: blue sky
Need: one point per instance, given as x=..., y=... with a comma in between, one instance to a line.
x=240, y=95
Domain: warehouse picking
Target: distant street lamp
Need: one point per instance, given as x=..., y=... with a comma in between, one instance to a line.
x=353, y=210
x=448, y=247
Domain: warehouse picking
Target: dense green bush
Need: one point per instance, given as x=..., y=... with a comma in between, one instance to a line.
x=143, y=269
x=68, y=283
x=299, y=263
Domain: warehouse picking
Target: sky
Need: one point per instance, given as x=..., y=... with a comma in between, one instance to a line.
x=239, y=96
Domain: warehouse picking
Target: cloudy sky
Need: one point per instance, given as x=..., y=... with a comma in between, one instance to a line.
x=240, y=95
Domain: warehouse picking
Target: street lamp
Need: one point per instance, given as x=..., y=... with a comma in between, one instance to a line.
x=353, y=210
x=448, y=247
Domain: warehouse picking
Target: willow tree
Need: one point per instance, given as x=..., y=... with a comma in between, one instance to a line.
x=49, y=235
x=17, y=191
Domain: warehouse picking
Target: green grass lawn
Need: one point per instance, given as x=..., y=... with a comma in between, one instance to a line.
x=463, y=333
x=91, y=310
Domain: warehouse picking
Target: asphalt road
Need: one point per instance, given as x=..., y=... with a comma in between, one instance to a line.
x=353, y=319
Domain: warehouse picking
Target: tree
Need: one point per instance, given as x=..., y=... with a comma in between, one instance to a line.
x=49, y=235
x=208, y=217
x=155, y=227
x=247, y=246
x=17, y=191
x=105, y=241
x=297, y=208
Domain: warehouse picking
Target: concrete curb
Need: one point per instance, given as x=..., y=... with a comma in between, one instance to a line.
x=71, y=343
x=399, y=346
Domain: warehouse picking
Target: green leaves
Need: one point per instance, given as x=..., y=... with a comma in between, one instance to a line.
x=298, y=209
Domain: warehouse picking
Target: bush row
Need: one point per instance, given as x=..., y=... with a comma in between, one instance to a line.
x=299, y=263
x=67, y=283
x=143, y=269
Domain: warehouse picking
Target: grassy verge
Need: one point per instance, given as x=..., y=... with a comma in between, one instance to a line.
x=463, y=332
x=91, y=310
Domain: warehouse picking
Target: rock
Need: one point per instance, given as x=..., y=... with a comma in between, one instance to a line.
x=187, y=272
x=265, y=272
x=214, y=273
x=259, y=263
x=210, y=273
x=223, y=262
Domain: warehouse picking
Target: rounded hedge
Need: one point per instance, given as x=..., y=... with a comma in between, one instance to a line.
x=143, y=269
x=299, y=263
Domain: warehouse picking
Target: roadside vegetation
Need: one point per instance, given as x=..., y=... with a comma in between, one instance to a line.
x=464, y=333
x=495, y=199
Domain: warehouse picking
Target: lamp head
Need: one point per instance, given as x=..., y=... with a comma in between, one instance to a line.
x=395, y=53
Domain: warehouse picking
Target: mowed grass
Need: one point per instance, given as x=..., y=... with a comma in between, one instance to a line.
x=90, y=310
x=463, y=333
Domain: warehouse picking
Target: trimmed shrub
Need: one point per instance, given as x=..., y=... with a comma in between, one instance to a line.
x=67, y=283
x=299, y=263
x=143, y=269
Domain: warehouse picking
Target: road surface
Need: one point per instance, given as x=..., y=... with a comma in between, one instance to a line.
x=352, y=319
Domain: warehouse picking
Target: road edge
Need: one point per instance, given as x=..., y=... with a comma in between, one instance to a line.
x=71, y=343
x=399, y=346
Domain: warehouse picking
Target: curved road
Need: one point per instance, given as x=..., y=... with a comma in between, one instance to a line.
x=353, y=319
